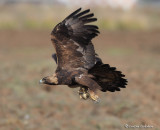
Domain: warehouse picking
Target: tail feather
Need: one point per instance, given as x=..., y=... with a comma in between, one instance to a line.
x=108, y=77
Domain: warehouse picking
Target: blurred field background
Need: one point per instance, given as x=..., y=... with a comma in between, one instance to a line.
x=129, y=40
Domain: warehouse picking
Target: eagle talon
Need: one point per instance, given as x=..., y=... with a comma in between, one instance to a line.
x=94, y=97
x=83, y=93
x=80, y=96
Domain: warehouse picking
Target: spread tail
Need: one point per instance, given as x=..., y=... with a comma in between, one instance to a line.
x=108, y=77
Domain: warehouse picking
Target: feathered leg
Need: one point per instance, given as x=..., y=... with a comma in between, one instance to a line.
x=85, y=80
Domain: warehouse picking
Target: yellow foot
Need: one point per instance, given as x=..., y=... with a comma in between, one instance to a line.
x=83, y=93
x=94, y=97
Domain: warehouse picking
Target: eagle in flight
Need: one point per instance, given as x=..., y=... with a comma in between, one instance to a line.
x=77, y=63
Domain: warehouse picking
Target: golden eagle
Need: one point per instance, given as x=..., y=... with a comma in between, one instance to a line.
x=78, y=64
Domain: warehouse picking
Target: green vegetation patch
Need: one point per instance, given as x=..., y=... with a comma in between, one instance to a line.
x=119, y=51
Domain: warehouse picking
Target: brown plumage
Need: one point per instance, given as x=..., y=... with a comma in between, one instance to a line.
x=78, y=64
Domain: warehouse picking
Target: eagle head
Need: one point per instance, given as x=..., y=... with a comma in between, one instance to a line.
x=50, y=80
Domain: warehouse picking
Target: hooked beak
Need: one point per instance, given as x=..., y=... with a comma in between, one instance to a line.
x=41, y=81
x=50, y=80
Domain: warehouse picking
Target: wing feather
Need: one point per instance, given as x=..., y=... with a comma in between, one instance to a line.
x=72, y=40
x=87, y=16
x=74, y=27
x=73, y=14
x=82, y=13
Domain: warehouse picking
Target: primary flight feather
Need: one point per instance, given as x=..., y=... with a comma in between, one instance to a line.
x=78, y=64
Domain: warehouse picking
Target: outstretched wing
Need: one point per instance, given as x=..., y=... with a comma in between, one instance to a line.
x=72, y=40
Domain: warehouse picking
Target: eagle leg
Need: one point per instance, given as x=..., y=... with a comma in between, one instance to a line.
x=83, y=93
x=91, y=86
